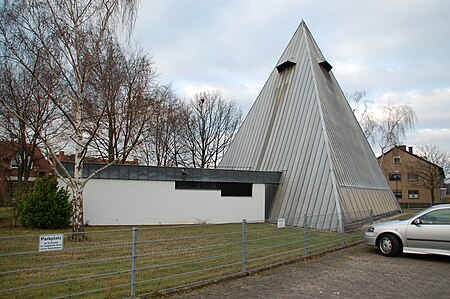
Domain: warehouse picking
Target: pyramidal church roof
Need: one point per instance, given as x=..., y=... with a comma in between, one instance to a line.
x=301, y=124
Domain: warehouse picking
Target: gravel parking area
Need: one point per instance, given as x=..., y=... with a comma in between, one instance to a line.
x=354, y=272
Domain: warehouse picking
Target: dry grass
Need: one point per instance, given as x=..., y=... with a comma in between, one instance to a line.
x=166, y=257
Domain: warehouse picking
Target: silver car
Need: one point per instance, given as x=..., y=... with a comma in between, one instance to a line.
x=427, y=232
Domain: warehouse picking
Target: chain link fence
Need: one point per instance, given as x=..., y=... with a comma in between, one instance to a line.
x=155, y=260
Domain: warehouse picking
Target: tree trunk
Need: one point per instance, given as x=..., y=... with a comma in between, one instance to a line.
x=78, y=217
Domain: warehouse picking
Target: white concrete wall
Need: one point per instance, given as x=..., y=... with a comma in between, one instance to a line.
x=127, y=202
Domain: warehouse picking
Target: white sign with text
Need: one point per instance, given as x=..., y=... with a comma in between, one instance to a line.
x=281, y=223
x=51, y=242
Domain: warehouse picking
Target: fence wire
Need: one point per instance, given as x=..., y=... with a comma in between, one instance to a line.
x=154, y=260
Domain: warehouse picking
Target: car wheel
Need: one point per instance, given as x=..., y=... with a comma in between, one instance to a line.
x=389, y=245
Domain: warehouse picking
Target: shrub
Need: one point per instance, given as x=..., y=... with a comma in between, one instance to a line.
x=47, y=207
x=15, y=193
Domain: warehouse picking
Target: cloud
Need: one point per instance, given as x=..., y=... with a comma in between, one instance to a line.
x=437, y=137
x=394, y=50
x=433, y=125
x=243, y=94
x=429, y=105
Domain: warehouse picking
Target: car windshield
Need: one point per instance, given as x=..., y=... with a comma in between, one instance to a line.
x=414, y=215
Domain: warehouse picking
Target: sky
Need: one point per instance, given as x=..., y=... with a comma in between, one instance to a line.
x=395, y=51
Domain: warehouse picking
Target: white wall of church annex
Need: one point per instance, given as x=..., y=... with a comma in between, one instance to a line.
x=133, y=202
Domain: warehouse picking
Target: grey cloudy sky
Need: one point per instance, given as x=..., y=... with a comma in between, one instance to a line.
x=396, y=51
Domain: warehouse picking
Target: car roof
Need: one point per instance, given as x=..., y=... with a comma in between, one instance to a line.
x=446, y=205
x=434, y=208
x=437, y=207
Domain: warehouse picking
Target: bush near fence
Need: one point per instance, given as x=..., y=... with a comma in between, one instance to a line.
x=129, y=262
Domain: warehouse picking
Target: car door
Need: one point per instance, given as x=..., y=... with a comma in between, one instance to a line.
x=431, y=231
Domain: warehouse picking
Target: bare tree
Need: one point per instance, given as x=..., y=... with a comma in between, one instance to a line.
x=431, y=171
x=67, y=35
x=22, y=100
x=362, y=108
x=395, y=122
x=162, y=145
x=211, y=127
x=386, y=130
x=125, y=83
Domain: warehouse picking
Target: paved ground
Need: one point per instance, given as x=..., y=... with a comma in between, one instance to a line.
x=357, y=272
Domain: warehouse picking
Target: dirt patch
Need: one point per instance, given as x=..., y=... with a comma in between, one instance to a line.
x=354, y=272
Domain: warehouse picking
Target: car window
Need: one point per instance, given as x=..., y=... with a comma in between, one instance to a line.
x=415, y=215
x=436, y=217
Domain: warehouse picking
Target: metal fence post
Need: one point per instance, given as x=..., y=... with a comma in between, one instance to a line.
x=305, y=241
x=244, y=245
x=133, y=263
x=371, y=216
x=343, y=229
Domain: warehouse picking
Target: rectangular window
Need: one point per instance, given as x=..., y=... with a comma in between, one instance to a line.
x=397, y=160
x=196, y=185
x=398, y=194
x=226, y=189
x=412, y=176
x=236, y=189
x=13, y=164
x=437, y=217
x=395, y=176
x=413, y=194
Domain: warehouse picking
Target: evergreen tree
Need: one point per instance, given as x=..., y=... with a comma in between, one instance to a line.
x=47, y=207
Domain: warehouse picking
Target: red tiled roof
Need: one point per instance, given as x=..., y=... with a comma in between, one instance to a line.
x=8, y=150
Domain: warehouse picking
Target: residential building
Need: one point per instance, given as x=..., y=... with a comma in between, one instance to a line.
x=447, y=191
x=412, y=178
x=62, y=157
x=10, y=172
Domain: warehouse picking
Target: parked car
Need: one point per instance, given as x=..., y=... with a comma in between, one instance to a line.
x=427, y=232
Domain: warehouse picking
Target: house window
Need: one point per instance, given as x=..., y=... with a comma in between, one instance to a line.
x=413, y=194
x=397, y=160
x=398, y=194
x=395, y=176
x=13, y=164
x=17, y=161
x=412, y=176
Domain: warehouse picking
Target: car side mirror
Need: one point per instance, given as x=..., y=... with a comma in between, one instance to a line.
x=417, y=221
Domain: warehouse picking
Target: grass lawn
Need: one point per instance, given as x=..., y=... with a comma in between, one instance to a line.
x=5, y=218
x=167, y=256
